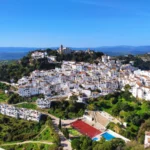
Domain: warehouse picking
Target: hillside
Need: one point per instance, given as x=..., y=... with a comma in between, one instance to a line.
x=140, y=61
x=144, y=57
x=17, y=69
x=19, y=134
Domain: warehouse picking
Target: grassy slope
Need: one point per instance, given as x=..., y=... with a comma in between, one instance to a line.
x=27, y=105
x=74, y=132
x=15, y=130
x=31, y=146
x=3, y=97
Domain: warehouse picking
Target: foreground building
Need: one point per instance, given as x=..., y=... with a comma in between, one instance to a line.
x=43, y=103
x=94, y=133
x=22, y=113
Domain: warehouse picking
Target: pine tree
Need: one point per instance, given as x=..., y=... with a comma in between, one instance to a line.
x=59, y=126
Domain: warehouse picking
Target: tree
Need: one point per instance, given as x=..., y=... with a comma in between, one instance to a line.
x=80, y=113
x=91, y=107
x=116, y=110
x=73, y=99
x=102, y=140
x=59, y=126
x=127, y=87
x=75, y=144
x=86, y=143
x=103, y=146
x=117, y=143
x=126, y=107
x=113, y=100
x=66, y=133
x=144, y=127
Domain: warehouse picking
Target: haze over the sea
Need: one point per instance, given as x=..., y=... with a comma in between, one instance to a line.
x=15, y=53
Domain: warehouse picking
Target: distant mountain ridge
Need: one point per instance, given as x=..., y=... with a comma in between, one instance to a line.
x=9, y=53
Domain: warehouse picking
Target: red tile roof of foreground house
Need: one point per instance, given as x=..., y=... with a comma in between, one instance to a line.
x=85, y=129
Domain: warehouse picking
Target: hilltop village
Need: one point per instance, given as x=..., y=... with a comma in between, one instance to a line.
x=85, y=80
x=86, y=83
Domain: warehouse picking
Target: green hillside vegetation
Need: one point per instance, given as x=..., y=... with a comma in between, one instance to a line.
x=15, y=98
x=74, y=132
x=16, y=130
x=114, y=144
x=78, y=57
x=138, y=61
x=22, y=68
x=31, y=146
x=144, y=127
x=144, y=57
x=126, y=108
x=48, y=134
x=67, y=109
x=4, y=62
x=45, y=135
x=3, y=97
x=4, y=86
x=26, y=65
x=85, y=143
x=27, y=105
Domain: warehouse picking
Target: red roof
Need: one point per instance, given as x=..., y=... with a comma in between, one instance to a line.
x=85, y=129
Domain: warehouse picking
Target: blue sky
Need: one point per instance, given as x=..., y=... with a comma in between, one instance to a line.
x=77, y=23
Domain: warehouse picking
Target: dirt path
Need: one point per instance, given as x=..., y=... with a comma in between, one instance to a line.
x=26, y=142
x=41, y=132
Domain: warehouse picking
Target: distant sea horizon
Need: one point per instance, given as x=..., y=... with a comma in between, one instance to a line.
x=15, y=53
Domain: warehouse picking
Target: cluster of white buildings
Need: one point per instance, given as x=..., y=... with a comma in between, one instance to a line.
x=42, y=54
x=43, y=103
x=22, y=113
x=39, y=55
x=90, y=80
x=140, y=83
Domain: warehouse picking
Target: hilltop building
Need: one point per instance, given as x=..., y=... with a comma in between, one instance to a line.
x=38, y=55
x=64, y=50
